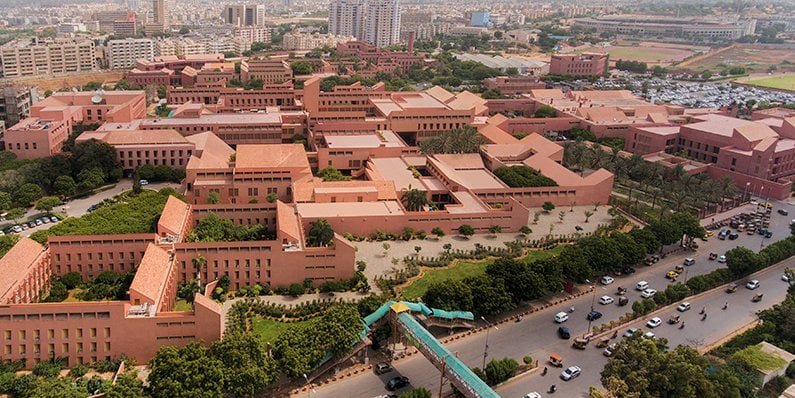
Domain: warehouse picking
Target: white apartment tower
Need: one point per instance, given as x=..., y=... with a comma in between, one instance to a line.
x=122, y=54
x=346, y=18
x=383, y=22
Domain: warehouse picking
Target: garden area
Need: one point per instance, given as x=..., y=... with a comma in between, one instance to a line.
x=464, y=269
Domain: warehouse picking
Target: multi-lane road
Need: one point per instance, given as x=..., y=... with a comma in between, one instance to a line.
x=536, y=334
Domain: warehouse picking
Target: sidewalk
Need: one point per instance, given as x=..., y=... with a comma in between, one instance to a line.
x=727, y=214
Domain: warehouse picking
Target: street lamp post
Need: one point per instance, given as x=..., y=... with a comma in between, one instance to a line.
x=593, y=301
x=310, y=390
x=486, y=347
x=745, y=192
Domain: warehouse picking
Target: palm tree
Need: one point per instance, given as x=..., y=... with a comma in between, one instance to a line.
x=320, y=233
x=198, y=262
x=726, y=189
x=598, y=156
x=414, y=199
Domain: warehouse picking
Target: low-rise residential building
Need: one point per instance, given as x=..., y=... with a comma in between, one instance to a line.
x=270, y=71
x=309, y=41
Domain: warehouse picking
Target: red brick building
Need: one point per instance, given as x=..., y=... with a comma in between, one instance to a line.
x=585, y=64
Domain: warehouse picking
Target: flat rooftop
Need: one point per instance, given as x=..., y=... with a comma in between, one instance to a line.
x=349, y=209
x=221, y=118
x=381, y=138
x=396, y=170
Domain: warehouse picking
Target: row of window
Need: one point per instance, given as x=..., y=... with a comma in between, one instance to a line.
x=65, y=347
x=60, y=316
x=65, y=334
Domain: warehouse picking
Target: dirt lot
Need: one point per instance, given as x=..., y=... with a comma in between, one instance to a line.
x=72, y=80
x=756, y=57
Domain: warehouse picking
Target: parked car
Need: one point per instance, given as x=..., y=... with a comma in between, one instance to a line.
x=752, y=284
x=610, y=350
x=733, y=236
x=532, y=395
x=144, y=182
x=570, y=373
x=37, y=222
x=684, y=306
x=604, y=300
x=382, y=368
x=628, y=270
x=630, y=332
x=54, y=219
x=397, y=383
x=607, y=279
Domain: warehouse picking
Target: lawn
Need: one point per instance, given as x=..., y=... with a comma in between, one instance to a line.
x=268, y=330
x=462, y=270
x=644, y=54
x=182, y=305
x=781, y=82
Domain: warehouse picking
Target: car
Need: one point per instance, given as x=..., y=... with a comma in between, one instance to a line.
x=32, y=224
x=610, y=350
x=24, y=227
x=561, y=317
x=752, y=284
x=570, y=372
x=628, y=270
x=783, y=212
x=144, y=182
x=606, y=300
x=45, y=220
x=642, y=285
x=654, y=322
x=721, y=259
x=37, y=222
x=54, y=219
x=17, y=229
x=630, y=332
x=532, y=395
x=648, y=293
x=593, y=315
x=672, y=275
x=386, y=396
x=785, y=278
x=768, y=234
x=382, y=368
x=733, y=236
x=607, y=279
x=648, y=335
x=397, y=383
x=563, y=332
x=684, y=306
x=92, y=208
x=689, y=261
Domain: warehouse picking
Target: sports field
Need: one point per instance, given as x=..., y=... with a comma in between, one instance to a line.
x=751, y=57
x=781, y=82
x=648, y=54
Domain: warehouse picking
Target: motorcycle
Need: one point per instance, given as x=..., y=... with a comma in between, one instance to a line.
x=552, y=389
x=682, y=325
x=704, y=317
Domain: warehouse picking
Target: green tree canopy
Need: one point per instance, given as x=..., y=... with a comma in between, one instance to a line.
x=247, y=367
x=545, y=111
x=320, y=233
x=27, y=194
x=449, y=296
x=331, y=174
x=186, y=372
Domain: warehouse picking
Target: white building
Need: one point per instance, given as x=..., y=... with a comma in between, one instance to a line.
x=383, y=22
x=123, y=53
x=346, y=18
x=309, y=41
x=251, y=34
x=37, y=58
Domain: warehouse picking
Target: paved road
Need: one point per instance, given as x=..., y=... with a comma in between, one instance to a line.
x=79, y=207
x=536, y=334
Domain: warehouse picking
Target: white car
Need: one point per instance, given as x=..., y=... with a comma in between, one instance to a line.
x=570, y=372
x=785, y=278
x=683, y=307
x=752, y=284
x=722, y=259
x=607, y=279
x=648, y=293
x=606, y=300
x=649, y=335
x=654, y=322
x=533, y=395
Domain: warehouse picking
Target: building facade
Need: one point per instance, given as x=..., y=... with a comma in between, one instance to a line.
x=244, y=14
x=50, y=57
x=346, y=18
x=15, y=103
x=382, y=23
x=123, y=54
x=585, y=64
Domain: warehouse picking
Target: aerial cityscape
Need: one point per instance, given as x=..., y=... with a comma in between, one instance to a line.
x=397, y=198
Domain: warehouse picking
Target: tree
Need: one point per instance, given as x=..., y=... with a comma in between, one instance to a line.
x=449, y=296
x=247, y=367
x=27, y=194
x=47, y=203
x=186, y=372
x=742, y=261
x=548, y=206
x=272, y=197
x=438, y=232
x=320, y=233
x=127, y=385
x=499, y=370
x=525, y=230
x=414, y=199
x=213, y=197
x=588, y=215
x=94, y=154
x=16, y=213
x=447, y=247
x=493, y=298
x=301, y=67
x=466, y=230
x=495, y=229
x=417, y=392
x=65, y=186
x=331, y=174
x=545, y=111
x=5, y=200
x=561, y=215
x=461, y=140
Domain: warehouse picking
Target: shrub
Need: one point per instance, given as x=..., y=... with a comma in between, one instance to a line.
x=47, y=369
x=527, y=359
x=500, y=370
x=78, y=371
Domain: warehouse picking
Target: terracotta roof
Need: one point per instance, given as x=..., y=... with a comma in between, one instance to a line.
x=440, y=93
x=210, y=152
x=17, y=263
x=174, y=217
x=152, y=275
x=271, y=156
x=467, y=100
x=496, y=135
x=287, y=222
x=755, y=132
x=305, y=191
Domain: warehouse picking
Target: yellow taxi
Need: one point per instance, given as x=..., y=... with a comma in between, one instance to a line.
x=671, y=275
